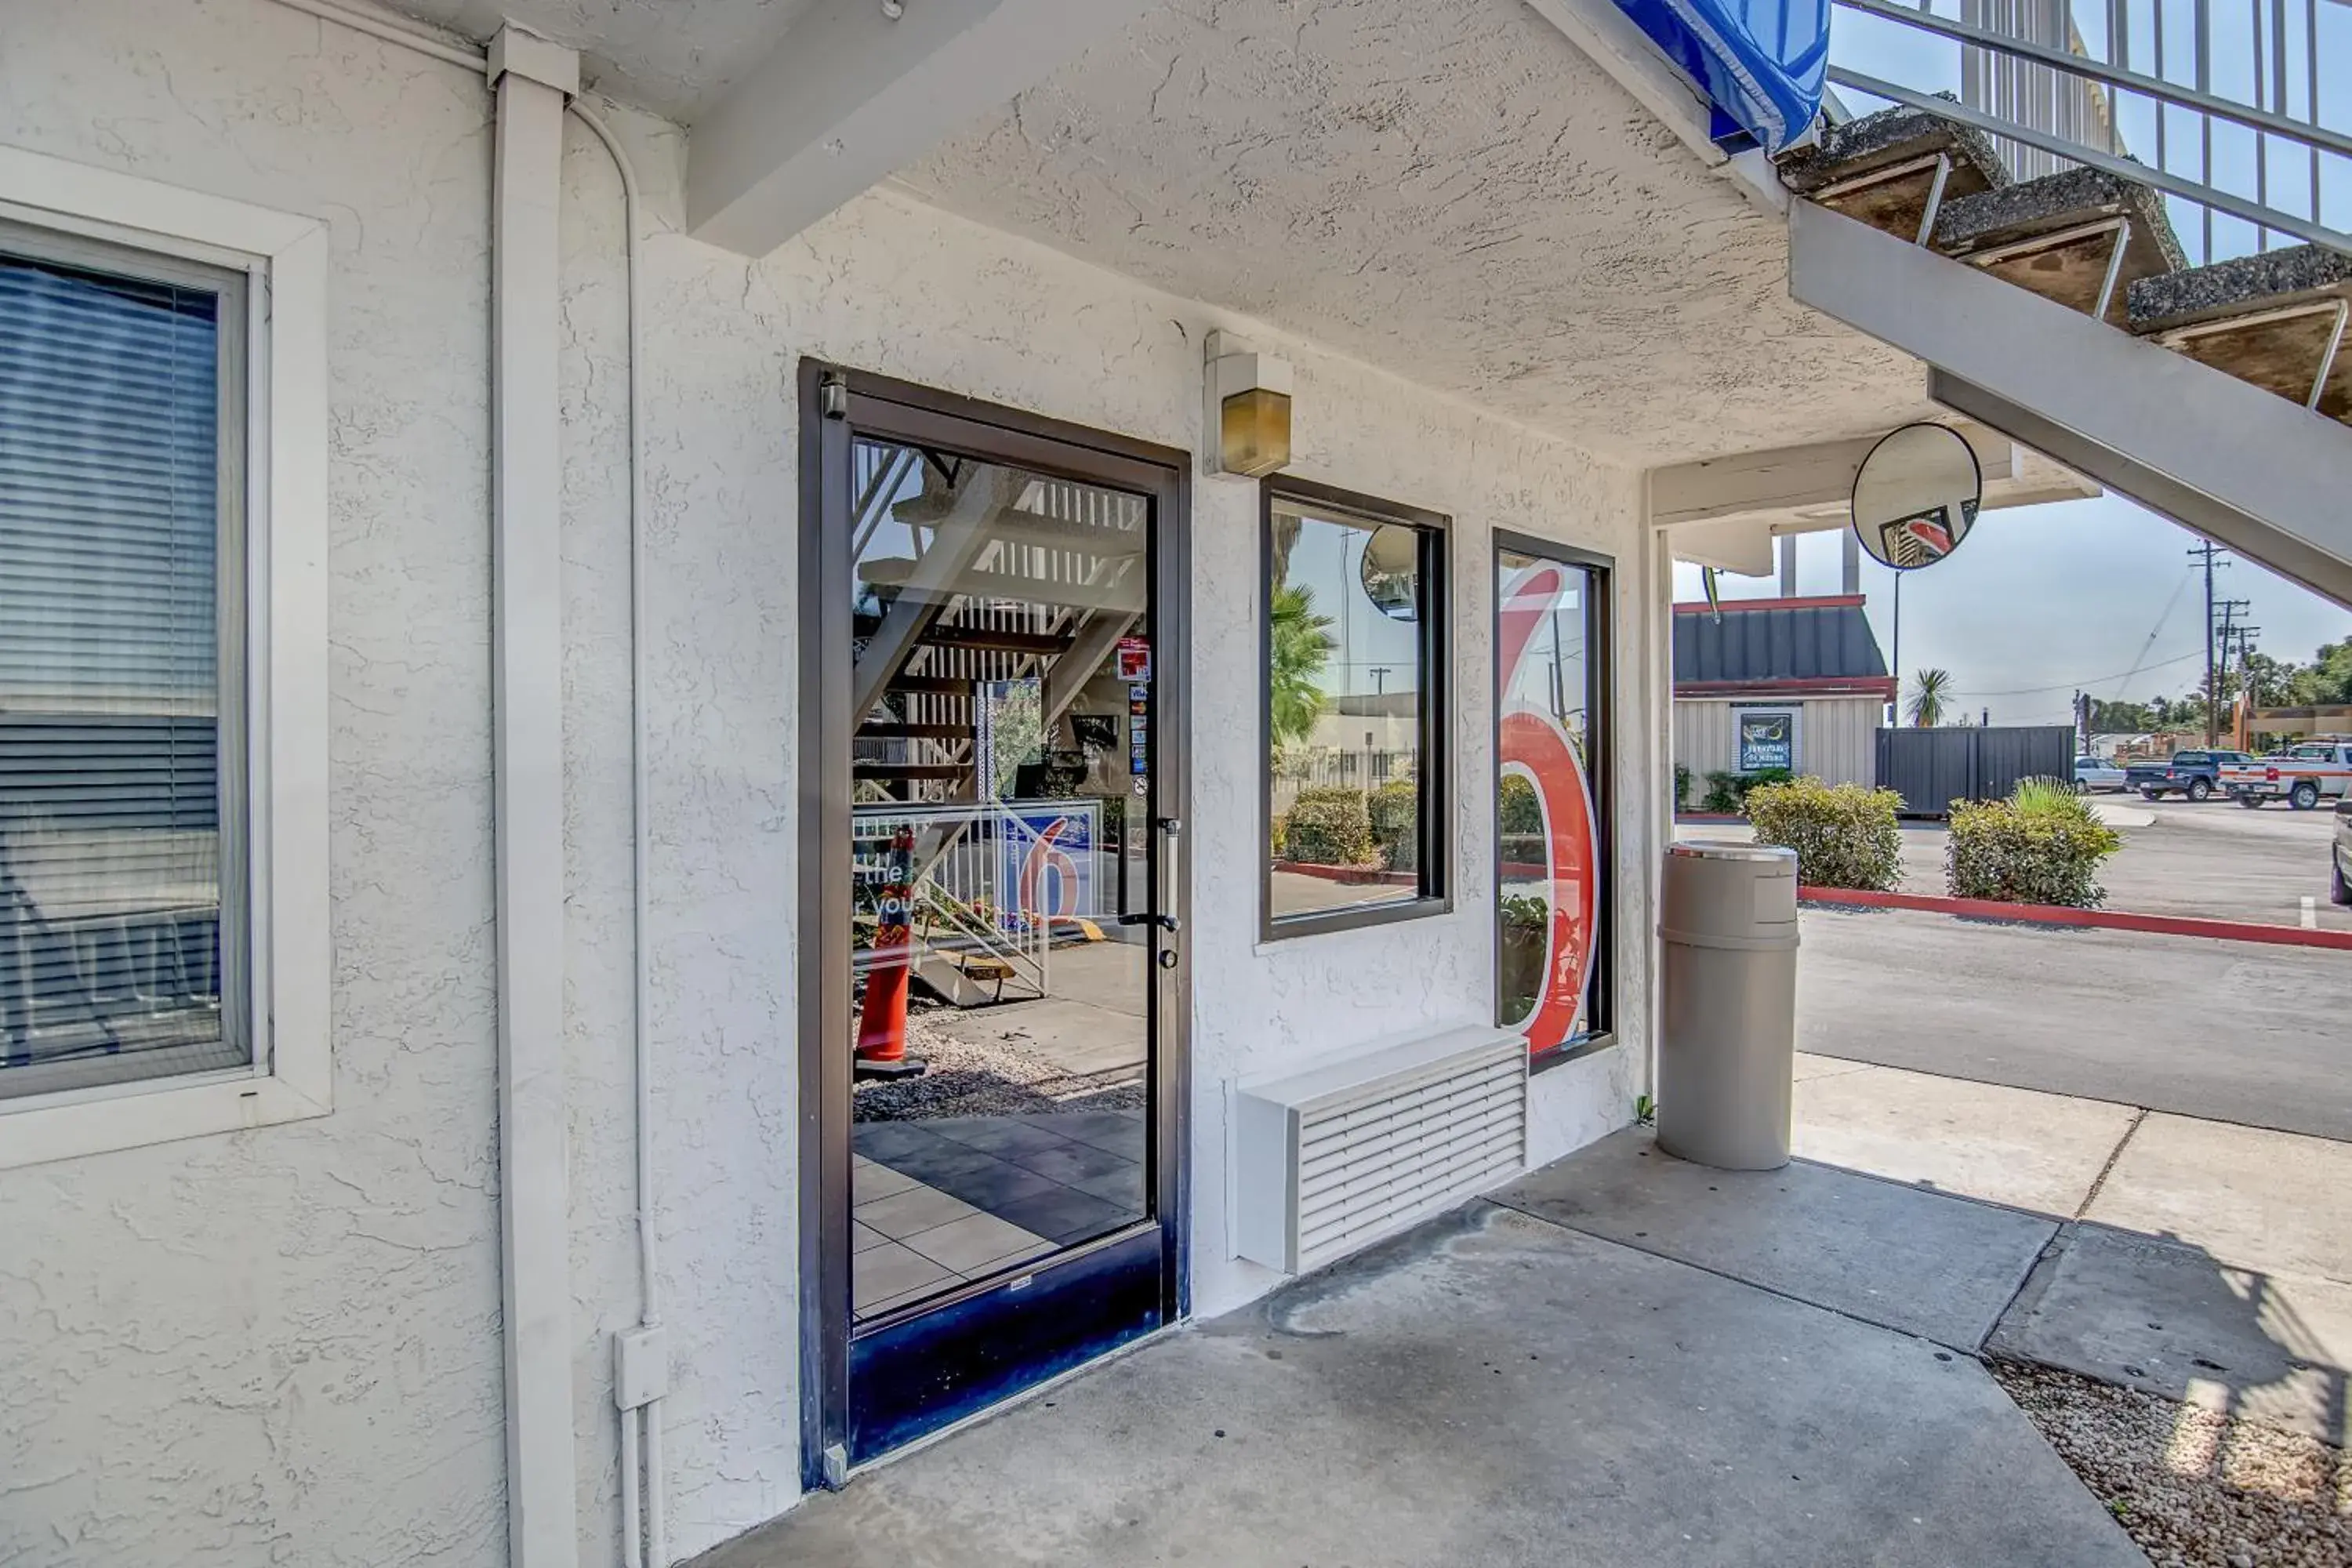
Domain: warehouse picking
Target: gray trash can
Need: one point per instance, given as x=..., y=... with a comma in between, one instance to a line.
x=1727, y=1036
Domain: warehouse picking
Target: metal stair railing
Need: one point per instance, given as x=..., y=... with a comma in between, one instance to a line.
x=2269, y=69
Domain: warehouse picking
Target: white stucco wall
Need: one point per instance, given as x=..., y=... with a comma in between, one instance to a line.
x=284, y=1344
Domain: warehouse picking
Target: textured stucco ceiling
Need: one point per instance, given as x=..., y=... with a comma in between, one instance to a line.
x=673, y=56
x=1445, y=187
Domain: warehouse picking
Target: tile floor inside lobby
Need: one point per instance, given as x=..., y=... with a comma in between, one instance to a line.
x=940, y=1202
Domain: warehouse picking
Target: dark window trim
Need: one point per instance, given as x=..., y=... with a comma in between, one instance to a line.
x=891, y=409
x=1601, y=651
x=1435, y=896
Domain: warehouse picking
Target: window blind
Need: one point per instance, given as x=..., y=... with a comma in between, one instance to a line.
x=112, y=733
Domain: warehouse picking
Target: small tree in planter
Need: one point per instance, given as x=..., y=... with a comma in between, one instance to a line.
x=1394, y=811
x=1844, y=836
x=2041, y=845
x=1328, y=826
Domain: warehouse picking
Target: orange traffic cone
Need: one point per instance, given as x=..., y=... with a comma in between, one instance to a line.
x=882, y=1019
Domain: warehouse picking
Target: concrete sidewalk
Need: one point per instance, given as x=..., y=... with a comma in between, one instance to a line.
x=1512, y=1384
x=2201, y=1261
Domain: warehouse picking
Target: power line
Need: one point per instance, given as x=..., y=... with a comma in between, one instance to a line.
x=2071, y=685
x=2154, y=632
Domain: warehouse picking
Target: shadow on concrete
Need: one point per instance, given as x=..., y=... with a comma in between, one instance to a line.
x=1906, y=1258
x=2164, y=1316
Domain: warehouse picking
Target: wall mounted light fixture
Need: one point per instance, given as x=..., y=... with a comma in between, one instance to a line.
x=1246, y=409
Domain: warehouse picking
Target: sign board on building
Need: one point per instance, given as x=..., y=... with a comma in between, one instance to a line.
x=1767, y=738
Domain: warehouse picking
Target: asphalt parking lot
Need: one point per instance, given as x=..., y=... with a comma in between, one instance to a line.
x=2251, y=1033
x=2231, y=1031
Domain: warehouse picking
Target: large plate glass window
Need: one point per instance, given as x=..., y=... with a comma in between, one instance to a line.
x=121, y=835
x=1356, y=766
x=1552, y=910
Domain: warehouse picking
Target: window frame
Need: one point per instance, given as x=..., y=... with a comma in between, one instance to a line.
x=1600, y=778
x=285, y=964
x=1435, y=894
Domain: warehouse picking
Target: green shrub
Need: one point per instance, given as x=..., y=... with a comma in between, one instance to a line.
x=1844, y=836
x=1518, y=811
x=2041, y=845
x=1328, y=826
x=1682, y=786
x=1394, y=809
x=1726, y=794
x=1279, y=832
x=1525, y=932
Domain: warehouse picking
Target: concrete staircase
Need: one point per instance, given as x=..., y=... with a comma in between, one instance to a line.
x=2094, y=243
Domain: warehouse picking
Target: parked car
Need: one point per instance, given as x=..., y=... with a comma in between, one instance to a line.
x=2339, y=857
x=2090, y=774
x=2195, y=774
x=2301, y=775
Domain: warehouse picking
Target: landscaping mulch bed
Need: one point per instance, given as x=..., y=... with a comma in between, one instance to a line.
x=2195, y=1488
x=987, y=1078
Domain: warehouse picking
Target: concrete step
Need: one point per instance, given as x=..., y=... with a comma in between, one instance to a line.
x=2056, y=236
x=1880, y=168
x=2269, y=320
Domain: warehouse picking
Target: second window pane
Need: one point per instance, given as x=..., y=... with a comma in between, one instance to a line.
x=1346, y=695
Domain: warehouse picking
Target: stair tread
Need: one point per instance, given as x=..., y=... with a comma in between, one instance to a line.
x=909, y=770
x=2239, y=286
x=1887, y=140
x=2235, y=297
x=2071, y=273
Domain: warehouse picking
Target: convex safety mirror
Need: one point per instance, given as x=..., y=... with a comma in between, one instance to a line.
x=1390, y=571
x=1915, y=496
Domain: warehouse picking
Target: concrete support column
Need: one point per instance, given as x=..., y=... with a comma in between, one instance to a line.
x=527, y=729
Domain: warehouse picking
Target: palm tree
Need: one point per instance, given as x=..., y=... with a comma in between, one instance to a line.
x=1301, y=646
x=1930, y=690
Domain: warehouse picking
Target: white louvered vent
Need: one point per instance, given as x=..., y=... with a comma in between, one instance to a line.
x=1328, y=1160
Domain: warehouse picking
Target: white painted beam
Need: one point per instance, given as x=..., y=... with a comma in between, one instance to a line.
x=852, y=94
x=527, y=758
x=2260, y=472
x=1743, y=545
x=1787, y=478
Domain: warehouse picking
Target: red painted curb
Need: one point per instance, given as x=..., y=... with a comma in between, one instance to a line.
x=1354, y=876
x=2053, y=915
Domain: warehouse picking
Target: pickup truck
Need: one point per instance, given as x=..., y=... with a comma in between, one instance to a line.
x=2195, y=774
x=2301, y=775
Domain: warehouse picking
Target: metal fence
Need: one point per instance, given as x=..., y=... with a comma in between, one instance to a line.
x=1932, y=768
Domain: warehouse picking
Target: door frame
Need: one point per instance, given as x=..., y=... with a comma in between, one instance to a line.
x=835, y=403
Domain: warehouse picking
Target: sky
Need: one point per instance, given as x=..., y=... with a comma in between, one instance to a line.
x=2040, y=600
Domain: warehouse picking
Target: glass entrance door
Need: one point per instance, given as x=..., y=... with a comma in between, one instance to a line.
x=995, y=1056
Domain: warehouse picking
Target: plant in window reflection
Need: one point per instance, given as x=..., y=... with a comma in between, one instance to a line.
x=1328, y=826
x=1395, y=811
x=1523, y=925
x=1299, y=649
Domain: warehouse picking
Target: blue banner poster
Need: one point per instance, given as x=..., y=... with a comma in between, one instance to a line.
x=1046, y=858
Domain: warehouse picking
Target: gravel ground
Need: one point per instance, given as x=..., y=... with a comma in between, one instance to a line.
x=2195, y=1488
x=994, y=1078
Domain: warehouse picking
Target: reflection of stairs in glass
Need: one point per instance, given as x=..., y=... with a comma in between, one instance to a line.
x=1013, y=577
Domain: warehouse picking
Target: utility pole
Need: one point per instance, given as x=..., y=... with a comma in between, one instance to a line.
x=2229, y=609
x=2207, y=552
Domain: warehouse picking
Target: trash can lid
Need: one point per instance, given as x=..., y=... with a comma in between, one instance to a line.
x=1725, y=849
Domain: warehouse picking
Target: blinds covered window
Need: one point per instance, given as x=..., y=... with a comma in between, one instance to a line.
x=121, y=397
